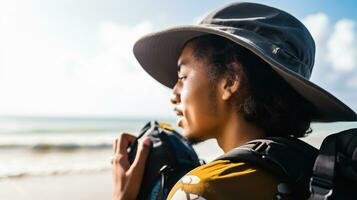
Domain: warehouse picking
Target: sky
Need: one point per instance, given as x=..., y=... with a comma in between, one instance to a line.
x=74, y=57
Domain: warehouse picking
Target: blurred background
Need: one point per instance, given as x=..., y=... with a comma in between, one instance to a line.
x=69, y=84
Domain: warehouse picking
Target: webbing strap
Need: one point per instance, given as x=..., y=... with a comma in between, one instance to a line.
x=253, y=153
x=321, y=182
x=164, y=169
x=280, y=156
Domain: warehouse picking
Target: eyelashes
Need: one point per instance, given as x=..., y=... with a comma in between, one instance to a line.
x=180, y=78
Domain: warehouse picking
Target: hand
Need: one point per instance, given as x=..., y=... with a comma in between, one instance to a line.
x=128, y=178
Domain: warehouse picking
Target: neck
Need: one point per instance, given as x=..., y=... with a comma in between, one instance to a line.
x=237, y=131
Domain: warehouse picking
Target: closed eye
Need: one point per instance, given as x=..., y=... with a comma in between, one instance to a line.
x=180, y=78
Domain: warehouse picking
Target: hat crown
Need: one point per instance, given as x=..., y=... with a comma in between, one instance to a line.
x=289, y=39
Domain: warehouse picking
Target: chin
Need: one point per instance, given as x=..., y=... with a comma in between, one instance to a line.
x=192, y=138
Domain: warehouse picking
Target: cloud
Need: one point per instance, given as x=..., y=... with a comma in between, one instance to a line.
x=318, y=25
x=336, y=55
x=115, y=78
x=41, y=75
x=342, y=46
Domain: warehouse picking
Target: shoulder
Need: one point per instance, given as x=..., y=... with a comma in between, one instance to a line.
x=223, y=179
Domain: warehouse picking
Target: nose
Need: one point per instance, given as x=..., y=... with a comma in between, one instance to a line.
x=175, y=97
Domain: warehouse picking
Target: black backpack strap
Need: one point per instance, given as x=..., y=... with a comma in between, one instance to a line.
x=321, y=183
x=289, y=159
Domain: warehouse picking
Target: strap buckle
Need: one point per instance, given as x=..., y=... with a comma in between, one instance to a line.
x=260, y=147
x=321, y=187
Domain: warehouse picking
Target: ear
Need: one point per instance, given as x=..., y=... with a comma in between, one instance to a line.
x=230, y=82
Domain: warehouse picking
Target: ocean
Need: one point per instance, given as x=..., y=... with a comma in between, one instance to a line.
x=49, y=146
x=39, y=146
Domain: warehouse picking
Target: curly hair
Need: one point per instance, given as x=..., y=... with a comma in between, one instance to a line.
x=271, y=103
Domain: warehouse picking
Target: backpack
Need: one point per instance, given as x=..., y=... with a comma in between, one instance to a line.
x=170, y=158
x=305, y=172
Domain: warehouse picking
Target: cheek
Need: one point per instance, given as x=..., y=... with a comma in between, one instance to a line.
x=197, y=107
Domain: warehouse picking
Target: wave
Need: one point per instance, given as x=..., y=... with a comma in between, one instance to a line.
x=64, y=130
x=50, y=125
x=53, y=172
x=56, y=147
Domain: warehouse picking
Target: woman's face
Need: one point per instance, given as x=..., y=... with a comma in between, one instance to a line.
x=195, y=98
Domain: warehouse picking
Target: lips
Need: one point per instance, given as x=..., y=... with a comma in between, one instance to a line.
x=179, y=113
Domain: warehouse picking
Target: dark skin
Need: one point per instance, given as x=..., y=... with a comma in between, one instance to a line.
x=201, y=115
x=126, y=177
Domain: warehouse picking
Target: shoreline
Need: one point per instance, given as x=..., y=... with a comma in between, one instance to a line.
x=89, y=186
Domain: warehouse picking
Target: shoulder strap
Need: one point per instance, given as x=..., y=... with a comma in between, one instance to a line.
x=321, y=183
x=289, y=159
x=337, y=160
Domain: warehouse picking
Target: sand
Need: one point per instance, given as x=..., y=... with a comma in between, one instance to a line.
x=95, y=186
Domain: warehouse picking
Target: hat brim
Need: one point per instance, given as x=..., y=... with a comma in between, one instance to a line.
x=158, y=54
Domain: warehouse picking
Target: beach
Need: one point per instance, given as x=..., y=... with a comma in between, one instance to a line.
x=94, y=186
x=64, y=158
x=81, y=185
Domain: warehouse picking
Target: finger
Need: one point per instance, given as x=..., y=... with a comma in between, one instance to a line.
x=115, y=145
x=120, y=162
x=137, y=168
x=122, y=143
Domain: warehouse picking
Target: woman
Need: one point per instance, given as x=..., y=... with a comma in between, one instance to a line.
x=242, y=74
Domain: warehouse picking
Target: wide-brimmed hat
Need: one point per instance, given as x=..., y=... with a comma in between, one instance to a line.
x=272, y=34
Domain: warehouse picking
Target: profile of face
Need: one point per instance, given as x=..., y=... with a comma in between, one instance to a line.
x=199, y=103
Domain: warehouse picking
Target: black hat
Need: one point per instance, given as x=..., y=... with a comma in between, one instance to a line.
x=275, y=36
